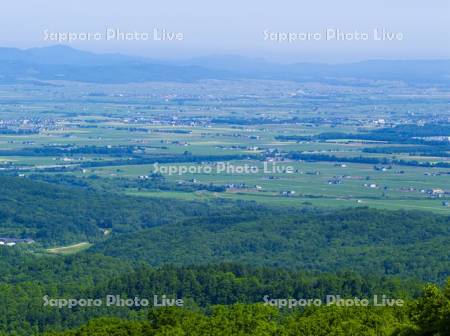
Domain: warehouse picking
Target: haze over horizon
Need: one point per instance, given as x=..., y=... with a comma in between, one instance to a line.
x=404, y=30
x=225, y=58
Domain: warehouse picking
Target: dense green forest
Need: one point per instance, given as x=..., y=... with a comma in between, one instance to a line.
x=53, y=214
x=428, y=315
x=360, y=239
x=184, y=233
x=221, y=257
x=167, y=231
x=28, y=277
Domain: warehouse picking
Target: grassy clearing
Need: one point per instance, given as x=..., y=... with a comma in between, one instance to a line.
x=70, y=249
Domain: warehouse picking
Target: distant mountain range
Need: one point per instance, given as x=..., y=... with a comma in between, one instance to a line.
x=65, y=63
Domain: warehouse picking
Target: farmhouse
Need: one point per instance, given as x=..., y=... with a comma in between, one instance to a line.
x=437, y=191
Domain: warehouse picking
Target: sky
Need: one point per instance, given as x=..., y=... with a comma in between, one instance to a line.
x=327, y=31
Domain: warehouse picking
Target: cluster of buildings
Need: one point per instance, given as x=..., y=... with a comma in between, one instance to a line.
x=13, y=241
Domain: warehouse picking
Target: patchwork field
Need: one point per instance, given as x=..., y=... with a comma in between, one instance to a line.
x=122, y=132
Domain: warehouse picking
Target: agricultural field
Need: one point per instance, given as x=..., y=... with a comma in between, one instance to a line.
x=222, y=194
x=207, y=133
x=250, y=169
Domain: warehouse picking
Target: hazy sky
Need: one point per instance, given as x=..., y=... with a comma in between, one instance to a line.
x=420, y=29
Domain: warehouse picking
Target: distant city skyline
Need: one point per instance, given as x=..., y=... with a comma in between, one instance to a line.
x=323, y=31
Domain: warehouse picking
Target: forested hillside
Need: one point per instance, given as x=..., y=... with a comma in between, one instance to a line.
x=54, y=214
x=161, y=231
x=221, y=257
x=429, y=315
x=365, y=240
x=26, y=278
